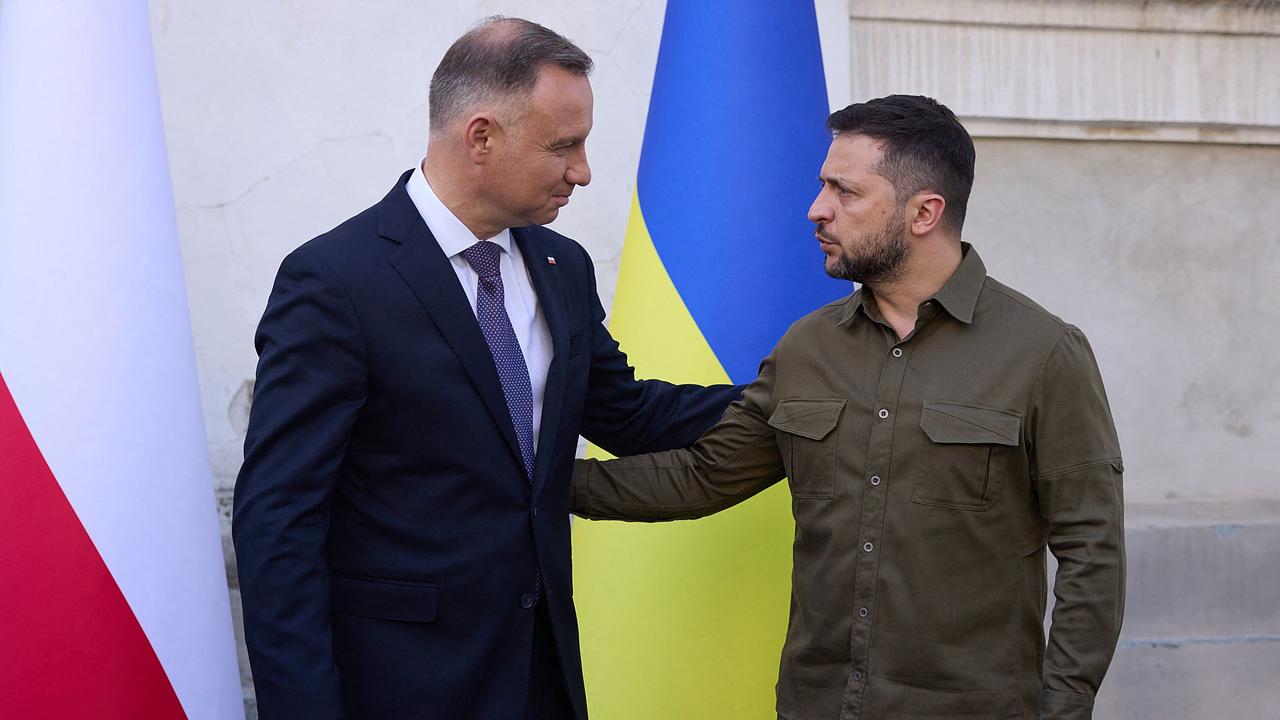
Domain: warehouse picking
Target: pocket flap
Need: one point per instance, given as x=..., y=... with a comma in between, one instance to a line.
x=809, y=418
x=949, y=422
x=383, y=599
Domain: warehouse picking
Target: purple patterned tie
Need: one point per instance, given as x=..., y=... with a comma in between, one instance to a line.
x=491, y=312
x=513, y=373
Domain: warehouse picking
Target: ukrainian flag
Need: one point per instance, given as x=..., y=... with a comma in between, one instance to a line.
x=687, y=620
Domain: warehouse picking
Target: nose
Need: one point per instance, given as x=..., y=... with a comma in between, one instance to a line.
x=820, y=210
x=579, y=171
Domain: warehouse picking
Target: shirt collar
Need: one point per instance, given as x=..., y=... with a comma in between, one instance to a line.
x=453, y=236
x=959, y=296
x=855, y=302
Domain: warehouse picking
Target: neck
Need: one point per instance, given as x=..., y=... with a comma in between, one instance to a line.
x=927, y=268
x=449, y=182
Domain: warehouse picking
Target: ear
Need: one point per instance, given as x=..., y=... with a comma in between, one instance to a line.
x=924, y=213
x=480, y=136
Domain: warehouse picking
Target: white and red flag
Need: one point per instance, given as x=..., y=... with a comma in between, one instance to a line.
x=113, y=601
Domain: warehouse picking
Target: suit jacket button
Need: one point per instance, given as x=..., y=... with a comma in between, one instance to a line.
x=526, y=601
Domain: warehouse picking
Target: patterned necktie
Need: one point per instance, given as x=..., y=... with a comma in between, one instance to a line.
x=513, y=373
x=491, y=312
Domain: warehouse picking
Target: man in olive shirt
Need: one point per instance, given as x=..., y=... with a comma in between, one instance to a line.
x=938, y=429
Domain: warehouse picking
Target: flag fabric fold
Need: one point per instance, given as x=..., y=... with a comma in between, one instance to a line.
x=115, y=600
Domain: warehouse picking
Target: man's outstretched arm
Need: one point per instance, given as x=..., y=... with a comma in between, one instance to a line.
x=734, y=460
x=626, y=416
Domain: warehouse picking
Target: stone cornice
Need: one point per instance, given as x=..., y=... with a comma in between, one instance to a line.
x=1083, y=70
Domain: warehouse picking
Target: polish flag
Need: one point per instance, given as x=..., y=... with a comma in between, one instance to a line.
x=113, y=598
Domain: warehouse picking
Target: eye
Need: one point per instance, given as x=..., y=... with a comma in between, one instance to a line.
x=564, y=147
x=841, y=190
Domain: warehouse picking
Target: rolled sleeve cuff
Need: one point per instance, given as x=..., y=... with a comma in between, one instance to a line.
x=580, y=500
x=1057, y=705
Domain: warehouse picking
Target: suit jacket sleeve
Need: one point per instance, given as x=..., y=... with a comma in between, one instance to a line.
x=627, y=416
x=311, y=384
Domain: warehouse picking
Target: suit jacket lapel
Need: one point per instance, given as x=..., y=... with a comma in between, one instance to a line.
x=546, y=283
x=430, y=276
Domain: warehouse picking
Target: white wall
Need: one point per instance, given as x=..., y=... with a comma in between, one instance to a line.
x=285, y=118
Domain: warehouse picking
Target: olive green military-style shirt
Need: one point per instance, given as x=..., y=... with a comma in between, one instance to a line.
x=927, y=476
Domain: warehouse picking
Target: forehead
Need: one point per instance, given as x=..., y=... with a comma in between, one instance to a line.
x=560, y=101
x=852, y=156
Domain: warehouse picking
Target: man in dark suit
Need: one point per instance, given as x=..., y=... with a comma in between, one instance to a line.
x=401, y=519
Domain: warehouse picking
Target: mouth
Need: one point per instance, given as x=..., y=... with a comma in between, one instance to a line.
x=560, y=200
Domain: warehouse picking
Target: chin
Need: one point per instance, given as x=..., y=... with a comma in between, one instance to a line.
x=834, y=268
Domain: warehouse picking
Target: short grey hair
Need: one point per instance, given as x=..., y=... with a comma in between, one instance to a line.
x=498, y=59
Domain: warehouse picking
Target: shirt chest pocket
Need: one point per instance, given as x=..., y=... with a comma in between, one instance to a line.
x=807, y=443
x=965, y=445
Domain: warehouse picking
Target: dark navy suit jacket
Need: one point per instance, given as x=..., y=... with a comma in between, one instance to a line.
x=385, y=533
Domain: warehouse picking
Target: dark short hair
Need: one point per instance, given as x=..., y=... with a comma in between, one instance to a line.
x=499, y=58
x=924, y=148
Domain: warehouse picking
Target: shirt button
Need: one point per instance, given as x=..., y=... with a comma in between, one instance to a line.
x=897, y=352
x=526, y=601
x=863, y=612
x=857, y=676
x=883, y=413
x=867, y=547
x=875, y=479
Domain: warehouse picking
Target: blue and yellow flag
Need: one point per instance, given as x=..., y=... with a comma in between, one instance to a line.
x=687, y=619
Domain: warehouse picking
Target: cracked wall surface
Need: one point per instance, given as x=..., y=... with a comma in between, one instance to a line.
x=285, y=118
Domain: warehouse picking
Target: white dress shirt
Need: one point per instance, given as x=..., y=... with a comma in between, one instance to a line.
x=517, y=288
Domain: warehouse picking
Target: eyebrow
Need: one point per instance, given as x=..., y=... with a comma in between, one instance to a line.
x=841, y=181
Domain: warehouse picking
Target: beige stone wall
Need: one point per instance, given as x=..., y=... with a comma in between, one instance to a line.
x=1151, y=226
x=1088, y=69
x=1128, y=164
x=1167, y=255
